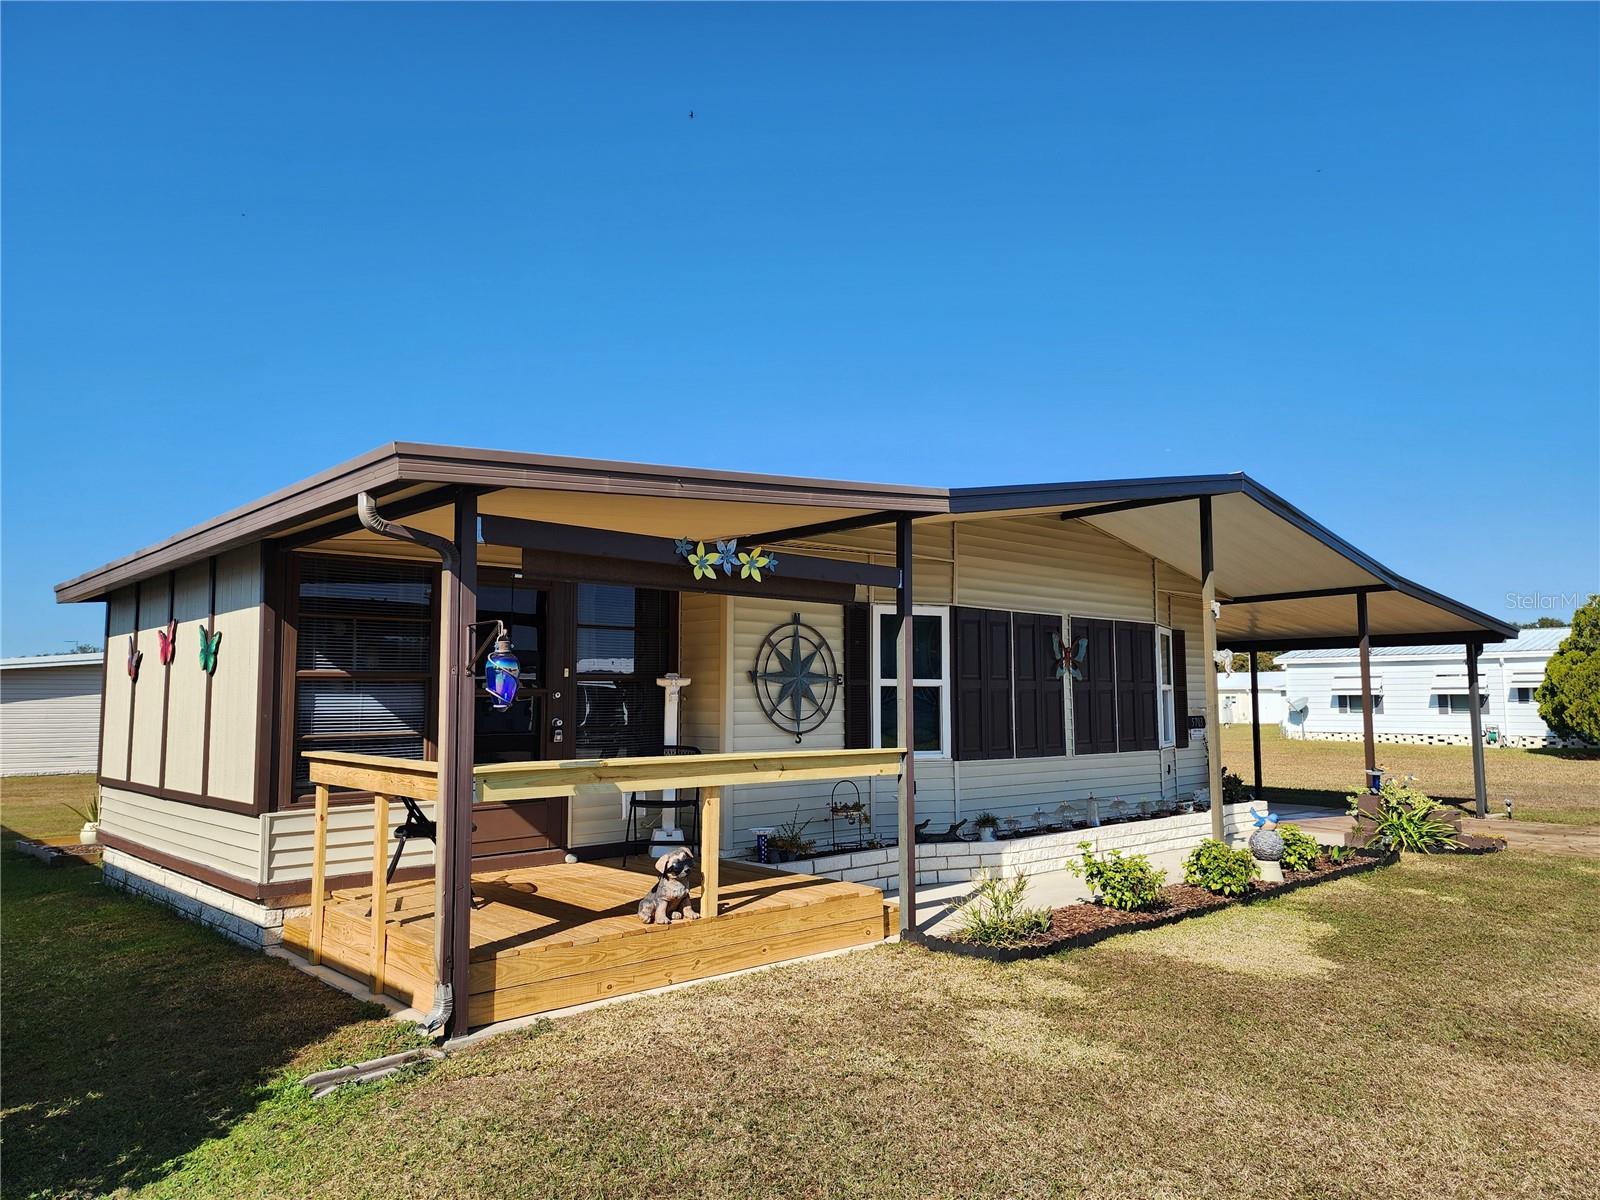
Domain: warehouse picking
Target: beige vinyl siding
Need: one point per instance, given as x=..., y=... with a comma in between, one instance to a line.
x=186, y=701
x=224, y=841
x=287, y=838
x=50, y=719
x=235, y=685
x=933, y=574
x=118, y=687
x=1046, y=565
x=702, y=621
x=149, y=703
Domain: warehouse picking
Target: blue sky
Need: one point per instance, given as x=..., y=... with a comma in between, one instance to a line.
x=1351, y=250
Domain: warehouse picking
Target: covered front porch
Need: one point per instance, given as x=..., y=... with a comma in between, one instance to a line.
x=525, y=940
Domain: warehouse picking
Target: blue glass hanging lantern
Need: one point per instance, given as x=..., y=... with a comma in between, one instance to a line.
x=501, y=671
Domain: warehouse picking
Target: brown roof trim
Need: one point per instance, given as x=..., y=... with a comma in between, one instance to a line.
x=504, y=468
x=333, y=489
x=398, y=465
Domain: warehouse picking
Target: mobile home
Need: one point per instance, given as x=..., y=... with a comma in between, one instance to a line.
x=299, y=744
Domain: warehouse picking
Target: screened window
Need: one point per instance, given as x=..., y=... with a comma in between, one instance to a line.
x=930, y=681
x=363, y=658
x=623, y=647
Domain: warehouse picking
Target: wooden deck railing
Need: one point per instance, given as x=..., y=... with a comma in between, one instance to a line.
x=395, y=777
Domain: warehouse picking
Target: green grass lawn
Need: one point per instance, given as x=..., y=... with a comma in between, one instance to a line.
x=41, y=806
x=1560, y=786
x=1430, y=1029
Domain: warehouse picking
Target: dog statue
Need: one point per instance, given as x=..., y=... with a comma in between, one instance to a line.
x=668, y=901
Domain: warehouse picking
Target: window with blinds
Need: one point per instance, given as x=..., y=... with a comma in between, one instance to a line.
x=364, y=670
x=623, y=646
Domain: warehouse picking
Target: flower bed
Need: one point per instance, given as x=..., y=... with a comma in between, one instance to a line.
x=1077, y=925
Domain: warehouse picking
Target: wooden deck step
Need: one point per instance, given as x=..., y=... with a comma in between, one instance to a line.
x=550, y=937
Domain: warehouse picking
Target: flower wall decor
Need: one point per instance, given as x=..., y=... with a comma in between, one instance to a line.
x=749, y=563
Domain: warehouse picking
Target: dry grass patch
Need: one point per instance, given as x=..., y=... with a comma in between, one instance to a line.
x=1278, y=942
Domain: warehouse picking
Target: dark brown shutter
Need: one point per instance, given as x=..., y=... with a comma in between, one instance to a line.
x=1138, y=728
x=967, y=678
x=857, y=676
x=1180, y=686
x=981, y=675
x=1039, y=695
x=1094, y=698
x=997, y=685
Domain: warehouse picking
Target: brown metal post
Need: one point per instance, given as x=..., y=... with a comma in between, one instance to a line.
x=908, y=776
x=1480, y=786
x=453, y=885
x=1365, y=643
x=1208, y=632
x=1255, y=726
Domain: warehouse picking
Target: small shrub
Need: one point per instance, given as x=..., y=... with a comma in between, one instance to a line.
x=1233, y=789
x=1129, y=884
x=1300, y=849
x=1338, y=855
x=986, y=820
x=996, y=915
x=1216, y=868
x=1405, y=820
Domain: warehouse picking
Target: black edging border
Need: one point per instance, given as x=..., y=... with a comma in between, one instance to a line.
x=1080, y=941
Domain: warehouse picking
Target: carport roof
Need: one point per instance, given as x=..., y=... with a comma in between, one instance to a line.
x=1284, y=579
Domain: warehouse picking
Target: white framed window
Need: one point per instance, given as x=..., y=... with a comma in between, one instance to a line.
x=1459, y=703
x=930, y=679
x=1166, y=698
x=1522, y=695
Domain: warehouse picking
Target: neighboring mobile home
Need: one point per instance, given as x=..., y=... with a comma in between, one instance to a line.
x=50, y=714
x=1268, y=706
x=277, y=676
x=1419, y=693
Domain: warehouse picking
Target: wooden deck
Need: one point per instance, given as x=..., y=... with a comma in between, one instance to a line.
x=545, y=938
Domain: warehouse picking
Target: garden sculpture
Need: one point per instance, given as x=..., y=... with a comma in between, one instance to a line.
x=668, y=901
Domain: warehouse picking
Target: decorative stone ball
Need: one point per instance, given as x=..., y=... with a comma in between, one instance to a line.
x=1266, y=845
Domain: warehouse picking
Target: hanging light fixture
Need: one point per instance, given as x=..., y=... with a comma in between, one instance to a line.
x=501, y=667
x=502, y=671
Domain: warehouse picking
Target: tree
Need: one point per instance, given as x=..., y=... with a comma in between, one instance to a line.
x=1544, y=623
x=1569, y=697
x=1266, y=660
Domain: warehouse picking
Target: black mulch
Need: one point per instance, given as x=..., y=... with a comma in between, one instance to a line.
x=1077, y=925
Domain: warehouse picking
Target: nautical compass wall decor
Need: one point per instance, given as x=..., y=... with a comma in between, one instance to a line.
x=796, y=678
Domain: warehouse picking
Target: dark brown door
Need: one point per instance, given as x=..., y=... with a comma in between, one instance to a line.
x=538, y=726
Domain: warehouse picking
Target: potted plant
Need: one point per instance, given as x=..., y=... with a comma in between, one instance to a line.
x=89, y=813
x=788, y=843
x=987, y=823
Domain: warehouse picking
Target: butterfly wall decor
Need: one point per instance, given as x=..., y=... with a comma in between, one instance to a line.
x=169, y=642
x=210, y=644
x=1072, y=659
x=135, y=657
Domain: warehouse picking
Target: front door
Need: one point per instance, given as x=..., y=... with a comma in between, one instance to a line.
x=538, y=726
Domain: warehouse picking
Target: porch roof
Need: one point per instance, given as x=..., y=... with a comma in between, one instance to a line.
x=1285, y=580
